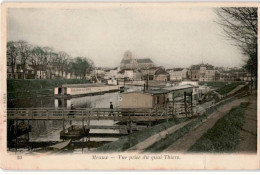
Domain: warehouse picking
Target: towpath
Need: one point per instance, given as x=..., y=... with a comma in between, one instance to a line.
x=183, y=144
x=248, y=133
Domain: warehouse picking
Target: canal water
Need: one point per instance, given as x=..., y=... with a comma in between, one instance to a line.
x=46, y=131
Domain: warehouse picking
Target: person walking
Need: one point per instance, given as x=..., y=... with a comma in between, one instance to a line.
x=72, y=112
x=111, y=109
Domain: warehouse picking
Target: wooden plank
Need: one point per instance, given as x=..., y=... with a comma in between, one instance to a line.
x=114, y=135
x=121, y=118
x=101, y=127
x=61, y=145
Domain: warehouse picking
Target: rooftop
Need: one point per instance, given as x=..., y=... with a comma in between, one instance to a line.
x=197, y=67
x=142, y=60
x=164, y=90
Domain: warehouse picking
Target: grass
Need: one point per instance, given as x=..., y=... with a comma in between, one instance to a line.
x=170, y=139
x=224, y=136
x=31, y=88
x=222, y=87
x=227, y=88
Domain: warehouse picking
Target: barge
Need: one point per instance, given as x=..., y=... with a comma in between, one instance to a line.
x=72, y=90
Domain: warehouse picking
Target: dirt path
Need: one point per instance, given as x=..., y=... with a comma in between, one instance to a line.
x=248, y=133
x=184, y=143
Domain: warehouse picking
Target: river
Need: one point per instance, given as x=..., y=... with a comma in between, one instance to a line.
x=46, y=131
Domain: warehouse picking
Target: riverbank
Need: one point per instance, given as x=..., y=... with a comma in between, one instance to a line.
x=224, y=135
x=130, y=141
x=35, y=88
x=223, y=87
x=248, y=132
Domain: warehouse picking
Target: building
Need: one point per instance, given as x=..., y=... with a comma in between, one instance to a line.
x=128, y=62
x=143, y=99
x=158, y=97
x=176, y=93
x=234, y=75
x=202, y=72
x=178, y=74
x=111, y=73
x=126, y=73
x=161, y=75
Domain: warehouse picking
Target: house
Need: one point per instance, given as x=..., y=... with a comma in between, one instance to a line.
x=127, y=73
x=111, y=73
x=161, y=75
x=178, y=74
x=202, y=72
x=234, y=75
x=143, y=99
x=149, y=73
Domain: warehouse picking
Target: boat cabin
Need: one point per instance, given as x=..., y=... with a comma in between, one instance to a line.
x=176, y=93
x=143, y=99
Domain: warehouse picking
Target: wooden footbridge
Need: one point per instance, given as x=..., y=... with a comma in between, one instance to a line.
x=127, y=118
x=122, y=114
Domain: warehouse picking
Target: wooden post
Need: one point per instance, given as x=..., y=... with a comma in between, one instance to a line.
x=88, y=123
x=150, y=123
x=166, y=112
x=28, y=134
x=63, y=121
x=147, y=79
x=185, y=104
x=130, y=123
x=16, y=121
x=191, y=104
x=173, y=110
x=130, y=126
x=83, y=125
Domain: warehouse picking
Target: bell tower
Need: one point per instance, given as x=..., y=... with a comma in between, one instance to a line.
x=128, y=55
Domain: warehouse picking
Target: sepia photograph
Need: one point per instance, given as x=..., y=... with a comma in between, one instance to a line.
x=123, y=85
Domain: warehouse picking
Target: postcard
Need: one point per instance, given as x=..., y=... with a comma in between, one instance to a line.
x=129, y=86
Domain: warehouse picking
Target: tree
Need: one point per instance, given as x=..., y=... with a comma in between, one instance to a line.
x=64, y=59
x=45, y=59
x=240, y=25
x=37, y=59
x=12, y=54
x=24, y=50
x=80, y=66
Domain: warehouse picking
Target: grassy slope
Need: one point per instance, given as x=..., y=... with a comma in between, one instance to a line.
x=165, y=143
x=29, y=88
x=125, y=142
x=224, y=136
x=222, y=87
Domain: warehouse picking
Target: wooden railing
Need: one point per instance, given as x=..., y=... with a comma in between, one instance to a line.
x=83, y=114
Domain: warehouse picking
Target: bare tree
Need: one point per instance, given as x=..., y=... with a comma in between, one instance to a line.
x=64, y=60
x=46, y=59
x=12, y=54
x=24, y=50
x=37, y=59
x=240, y=25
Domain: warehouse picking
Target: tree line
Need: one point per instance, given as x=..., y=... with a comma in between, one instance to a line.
x=240, y=25
x=23, y=56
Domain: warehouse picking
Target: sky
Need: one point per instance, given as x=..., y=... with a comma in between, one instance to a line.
x=171, y=36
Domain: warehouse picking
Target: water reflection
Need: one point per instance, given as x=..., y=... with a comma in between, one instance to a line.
x=45, y=131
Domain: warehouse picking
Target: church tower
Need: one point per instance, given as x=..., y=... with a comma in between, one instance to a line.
x=128, y=55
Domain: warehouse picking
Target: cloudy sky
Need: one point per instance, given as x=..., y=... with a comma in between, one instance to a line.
x=170, y=36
